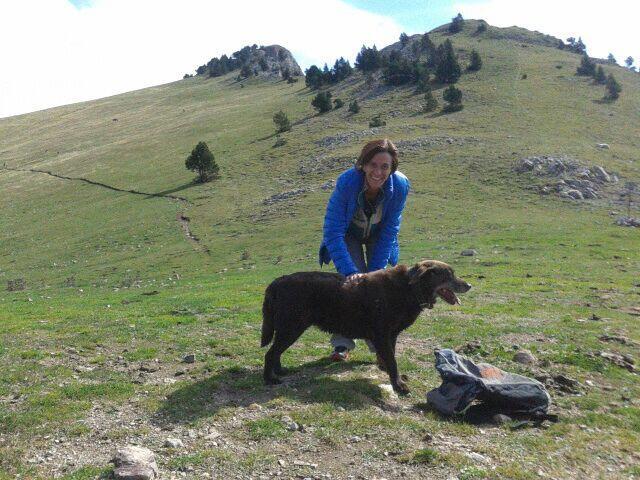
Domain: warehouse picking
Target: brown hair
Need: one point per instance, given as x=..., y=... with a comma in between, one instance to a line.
x=378, y=146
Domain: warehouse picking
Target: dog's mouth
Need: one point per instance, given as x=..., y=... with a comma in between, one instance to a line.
x=448, y=296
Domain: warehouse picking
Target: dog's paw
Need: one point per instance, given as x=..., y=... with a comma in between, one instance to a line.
x=401, y=388
x=272, y=381
x=404, y=378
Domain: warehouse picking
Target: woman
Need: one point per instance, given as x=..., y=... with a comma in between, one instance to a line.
x=364, y=210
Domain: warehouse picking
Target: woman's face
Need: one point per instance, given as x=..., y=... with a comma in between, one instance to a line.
x=377, y=170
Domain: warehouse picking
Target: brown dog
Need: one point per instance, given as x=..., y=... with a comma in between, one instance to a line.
x=376, y=306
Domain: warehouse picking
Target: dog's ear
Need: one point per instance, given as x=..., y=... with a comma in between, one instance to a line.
x=418, y=272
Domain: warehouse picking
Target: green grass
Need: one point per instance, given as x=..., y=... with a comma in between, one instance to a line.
x=142, y=291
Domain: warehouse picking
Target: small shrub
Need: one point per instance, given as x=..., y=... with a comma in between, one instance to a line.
x=452, y=107
x=452, y=94
x=476, y=62
x=280, y=142
x=202, y=161
x=482, y=27
x=322, y=102
x=524, y=76
x=377, y=121
x=587, y=67
x=338, y=103
x=613, y=88
x=600, y=76
x=354, y=107
x=282, y=122
x=430, y=102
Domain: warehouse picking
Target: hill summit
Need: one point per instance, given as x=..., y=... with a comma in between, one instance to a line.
x=270, y=61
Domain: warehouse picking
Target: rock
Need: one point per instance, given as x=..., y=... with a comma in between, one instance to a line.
x=355, y=439
x=604, y=146
x=213, y=434
x=618, y=339
x=476, y=457
x=149, y=367
x=628, y=222
x=171, y=442
x=134, y=463
x=573, y=193
x=469, y=252
x=524, y=357
x=255, y=406
x=566, y=384
x=290, y=424
x=622, y=360
x=601, y=174
x=189, y=358
x=500, y=419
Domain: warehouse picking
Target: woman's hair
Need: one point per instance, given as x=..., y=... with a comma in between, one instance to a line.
x=378, y=146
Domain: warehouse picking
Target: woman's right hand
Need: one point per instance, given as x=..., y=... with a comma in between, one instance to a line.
x=354, y=277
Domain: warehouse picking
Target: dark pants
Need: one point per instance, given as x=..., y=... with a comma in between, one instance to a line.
x=361, y=257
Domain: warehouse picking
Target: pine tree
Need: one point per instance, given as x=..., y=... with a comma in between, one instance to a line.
x=611, y=59
x=587, y=67
x=313, y=77
x=404, y=39
x=453, y=96
x=338, y=103
x=476, y=61
x=322, y=102
x=282, y=122
x=430, y=102
x=202, y=161
x=629, y=61
x=613, y=88
x=447, y=68
x=354, y=107
x=456, y=24
x=600, y=77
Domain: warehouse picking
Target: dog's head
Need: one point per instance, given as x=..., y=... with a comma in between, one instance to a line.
x=431, y=279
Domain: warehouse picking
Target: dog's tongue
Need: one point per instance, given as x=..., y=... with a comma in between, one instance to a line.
x=448, y=296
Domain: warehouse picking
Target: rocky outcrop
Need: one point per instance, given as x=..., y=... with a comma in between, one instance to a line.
x=269, y=61
x=573, y=180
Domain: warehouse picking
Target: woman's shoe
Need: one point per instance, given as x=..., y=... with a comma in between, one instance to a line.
x=340, y=354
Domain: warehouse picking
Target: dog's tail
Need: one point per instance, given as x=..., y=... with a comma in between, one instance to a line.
x=267, y=317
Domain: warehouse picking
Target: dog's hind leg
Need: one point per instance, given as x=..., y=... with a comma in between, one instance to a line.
x=272, y=366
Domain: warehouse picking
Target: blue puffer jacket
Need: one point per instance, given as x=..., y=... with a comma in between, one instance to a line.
x=340, y=210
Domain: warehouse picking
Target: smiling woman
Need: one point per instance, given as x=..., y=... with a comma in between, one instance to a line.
x=362, y=221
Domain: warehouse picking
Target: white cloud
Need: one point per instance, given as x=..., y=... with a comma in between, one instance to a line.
x=54, y=54
x=605, y=27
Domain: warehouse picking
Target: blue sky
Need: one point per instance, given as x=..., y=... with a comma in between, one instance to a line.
x=416, y=16
x=95, y=48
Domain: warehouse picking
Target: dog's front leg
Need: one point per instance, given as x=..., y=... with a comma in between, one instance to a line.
x=385, y=351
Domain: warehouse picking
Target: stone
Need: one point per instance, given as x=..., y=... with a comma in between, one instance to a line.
x=189, y=358
x=604, y=146
x=500, y=419
x=387, y=389
x=476, y=457
x=573, y=193
x=171, y=442
x=601, y=174
x=134, y=463
x=468, y=252
x=524, y=357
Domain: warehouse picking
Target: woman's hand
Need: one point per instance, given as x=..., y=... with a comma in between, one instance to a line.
x=354, y=277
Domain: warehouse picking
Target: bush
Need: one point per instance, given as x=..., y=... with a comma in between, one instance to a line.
x=482, y=27
x=377, y=122
x=282, y=122
x=613, y=88
x=280, y=142
x=600, y=76
x=430, y=102
x=202, y=161
x=587, y=67
x=354, y=107
x=338, y=103
x=404, y=39
x=476, y=62
x=453, y=96
x=322, y=102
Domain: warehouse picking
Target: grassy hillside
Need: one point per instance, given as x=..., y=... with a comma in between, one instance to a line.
x=113, y=282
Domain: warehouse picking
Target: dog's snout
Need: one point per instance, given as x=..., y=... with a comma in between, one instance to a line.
x=462, y=286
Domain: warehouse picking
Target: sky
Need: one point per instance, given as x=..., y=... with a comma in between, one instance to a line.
x=57, y=52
